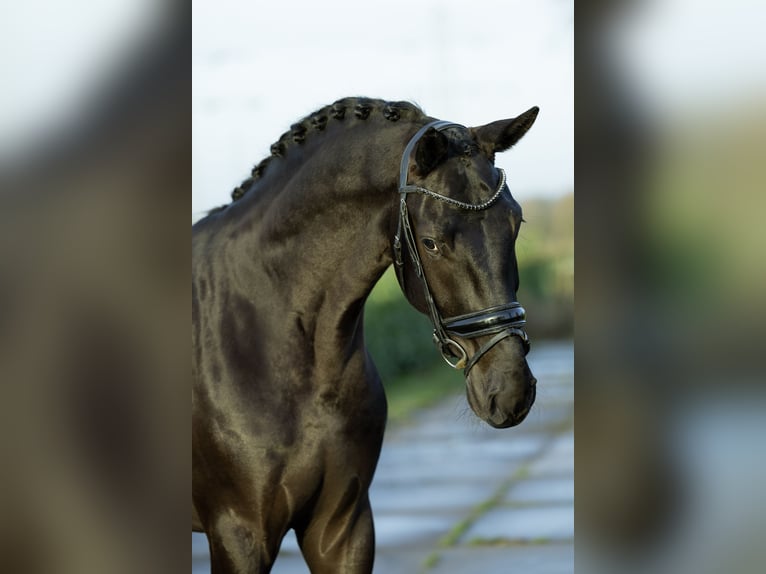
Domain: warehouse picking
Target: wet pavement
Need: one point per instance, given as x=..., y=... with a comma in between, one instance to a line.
x=452, y=495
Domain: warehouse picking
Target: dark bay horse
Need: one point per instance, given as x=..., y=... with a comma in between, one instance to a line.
x=288, y=408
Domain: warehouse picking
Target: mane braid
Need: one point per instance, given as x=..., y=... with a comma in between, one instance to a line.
x=343, y=109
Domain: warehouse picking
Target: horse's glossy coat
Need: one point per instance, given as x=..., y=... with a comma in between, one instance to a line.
x=288, y=408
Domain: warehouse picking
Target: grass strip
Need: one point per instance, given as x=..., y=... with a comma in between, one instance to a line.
x=451, y=539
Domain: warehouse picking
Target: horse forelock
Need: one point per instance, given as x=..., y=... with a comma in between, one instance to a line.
x=345, y=110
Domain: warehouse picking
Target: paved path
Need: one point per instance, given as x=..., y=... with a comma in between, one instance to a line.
x=452, y=495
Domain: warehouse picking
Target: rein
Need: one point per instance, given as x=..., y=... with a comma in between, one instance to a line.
x=502, y=321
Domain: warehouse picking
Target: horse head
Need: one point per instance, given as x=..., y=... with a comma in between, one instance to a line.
x=454, y=252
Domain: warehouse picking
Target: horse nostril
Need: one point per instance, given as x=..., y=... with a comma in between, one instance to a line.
x=492, y=404
x=533, y=382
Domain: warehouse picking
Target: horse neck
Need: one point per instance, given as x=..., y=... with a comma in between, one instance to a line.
x=323, y=239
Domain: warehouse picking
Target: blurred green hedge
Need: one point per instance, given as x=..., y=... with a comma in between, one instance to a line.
x=398, y=336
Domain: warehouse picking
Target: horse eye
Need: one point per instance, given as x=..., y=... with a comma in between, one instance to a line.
x=430, y=244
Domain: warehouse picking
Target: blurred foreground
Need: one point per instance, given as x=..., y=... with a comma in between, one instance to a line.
x=670, y=280
x=94, y=296
x=670, y=309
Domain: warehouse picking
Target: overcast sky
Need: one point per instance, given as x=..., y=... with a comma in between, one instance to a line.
x=258, y=67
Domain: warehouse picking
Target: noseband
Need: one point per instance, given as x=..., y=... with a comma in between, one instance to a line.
x=501, y=321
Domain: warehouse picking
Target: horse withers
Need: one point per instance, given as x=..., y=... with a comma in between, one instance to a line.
x=288, y=410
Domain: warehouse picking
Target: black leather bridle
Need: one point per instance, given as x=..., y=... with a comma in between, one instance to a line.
x=501, y=321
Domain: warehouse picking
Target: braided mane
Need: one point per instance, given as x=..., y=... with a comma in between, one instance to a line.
x=346, y=109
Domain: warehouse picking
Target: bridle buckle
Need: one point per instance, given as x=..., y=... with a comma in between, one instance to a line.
x=455, y=360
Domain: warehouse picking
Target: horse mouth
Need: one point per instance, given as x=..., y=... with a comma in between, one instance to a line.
x=500, y=418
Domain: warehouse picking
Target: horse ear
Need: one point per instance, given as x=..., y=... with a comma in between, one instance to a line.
x=431, y=151
x=502, y=134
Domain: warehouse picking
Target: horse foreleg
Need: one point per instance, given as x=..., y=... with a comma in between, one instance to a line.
x=341, y=541
x=238, y=547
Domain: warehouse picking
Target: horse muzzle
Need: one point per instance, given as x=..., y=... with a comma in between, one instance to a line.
x=503, y=391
